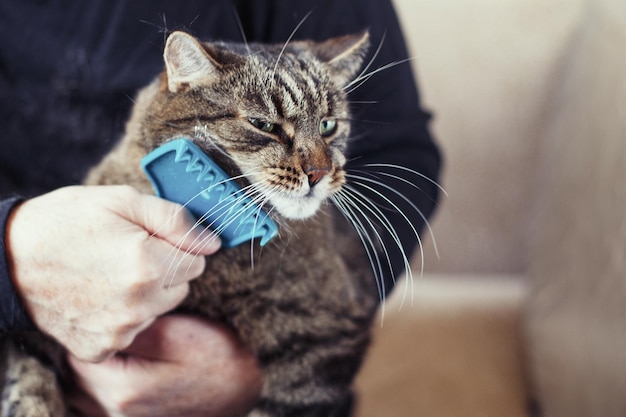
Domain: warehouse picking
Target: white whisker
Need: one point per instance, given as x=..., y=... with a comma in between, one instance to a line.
x=387, y=225
x=282, y=51
x=359, y=81
x=411, y=171
x=403, y=197
x=371, y=61
x=199, y=222
x=343, y=204
x=241, y=30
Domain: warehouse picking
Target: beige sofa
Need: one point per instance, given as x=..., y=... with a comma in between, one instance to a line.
x=528, y=295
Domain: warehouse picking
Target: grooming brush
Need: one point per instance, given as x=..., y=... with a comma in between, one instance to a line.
x=181, y=172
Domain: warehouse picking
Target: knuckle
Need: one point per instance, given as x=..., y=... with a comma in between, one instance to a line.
x=132, y=319
x=115, y=342
x=95, y=354
x=175, y=296
x=126, y=191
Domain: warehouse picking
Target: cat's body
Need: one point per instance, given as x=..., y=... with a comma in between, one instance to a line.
x=304, y=302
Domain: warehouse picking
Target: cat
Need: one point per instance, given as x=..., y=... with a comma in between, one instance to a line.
x=276, y=118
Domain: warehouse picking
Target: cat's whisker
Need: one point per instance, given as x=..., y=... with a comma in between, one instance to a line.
x=411, y=171
x=216, y=231
x=229, y=216
x=344, y=205
x=199, y=223
x=359, y=81
x=371, y=61
x=282, y=51
x=387, y=225
x=241, y=29
x=396, y=177
x=260, y=202
x=406, y=199
x=226, y=218
x=184, y=205
x=377, y=213
x=363, y=102
x=352, y=198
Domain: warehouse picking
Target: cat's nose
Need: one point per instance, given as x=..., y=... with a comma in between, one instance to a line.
x=315, y=175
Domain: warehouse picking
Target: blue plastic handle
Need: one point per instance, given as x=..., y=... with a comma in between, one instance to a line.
x=181, y=172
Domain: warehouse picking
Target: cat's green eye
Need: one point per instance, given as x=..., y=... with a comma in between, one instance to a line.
x=262, y=125
x=328, y=127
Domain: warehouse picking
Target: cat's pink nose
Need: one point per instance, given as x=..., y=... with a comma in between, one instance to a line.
x=315, y=175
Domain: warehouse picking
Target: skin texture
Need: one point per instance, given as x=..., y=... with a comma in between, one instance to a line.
x=108, y=245
x=213, y=373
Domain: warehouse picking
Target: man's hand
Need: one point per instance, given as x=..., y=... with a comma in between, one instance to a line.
x=180, y=366
x=94, y=266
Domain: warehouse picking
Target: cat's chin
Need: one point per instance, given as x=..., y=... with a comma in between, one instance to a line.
x=296, y=209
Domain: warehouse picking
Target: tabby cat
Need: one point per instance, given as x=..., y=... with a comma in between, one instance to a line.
x=275, y=118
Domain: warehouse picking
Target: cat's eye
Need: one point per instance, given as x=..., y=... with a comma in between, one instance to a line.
x=328, y=127
x=262, y=125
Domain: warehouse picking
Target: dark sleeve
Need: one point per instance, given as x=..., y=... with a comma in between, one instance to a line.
x=12, y=314
x=393, y=160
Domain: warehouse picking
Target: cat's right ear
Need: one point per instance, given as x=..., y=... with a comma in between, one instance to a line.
x=187, y=62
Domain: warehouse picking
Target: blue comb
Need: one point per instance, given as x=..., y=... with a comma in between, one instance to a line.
x=181, y=172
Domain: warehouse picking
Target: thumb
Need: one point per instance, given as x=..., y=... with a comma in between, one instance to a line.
x=172, y=223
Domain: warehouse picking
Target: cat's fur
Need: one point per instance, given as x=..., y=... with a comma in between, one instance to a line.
x=304, y=302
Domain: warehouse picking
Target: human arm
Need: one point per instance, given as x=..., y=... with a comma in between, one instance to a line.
x=94, y=266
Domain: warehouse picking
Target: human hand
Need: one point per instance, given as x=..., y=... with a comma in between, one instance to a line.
x=94, y=266
x=180, y=366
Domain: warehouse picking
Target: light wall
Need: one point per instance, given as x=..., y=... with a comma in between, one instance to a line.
x=487, y=69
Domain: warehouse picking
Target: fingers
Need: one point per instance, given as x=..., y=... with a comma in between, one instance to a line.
x=173, y=265
x=179, y=228
x=214, y=373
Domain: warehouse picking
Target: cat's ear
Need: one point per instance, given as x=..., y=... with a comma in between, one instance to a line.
x=344, y=55
x=187, y=62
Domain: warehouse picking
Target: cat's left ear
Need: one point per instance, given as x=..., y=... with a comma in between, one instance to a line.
x=344, y=55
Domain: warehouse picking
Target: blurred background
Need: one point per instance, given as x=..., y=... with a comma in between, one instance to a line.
x=524, y=310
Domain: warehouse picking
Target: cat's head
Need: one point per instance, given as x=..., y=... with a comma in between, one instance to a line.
x=277, y=114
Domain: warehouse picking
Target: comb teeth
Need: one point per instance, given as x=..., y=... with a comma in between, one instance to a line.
x=181, y=172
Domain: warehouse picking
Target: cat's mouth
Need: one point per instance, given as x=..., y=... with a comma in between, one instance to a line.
x=293, y=197
x=297, y=204
x=296, y=208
